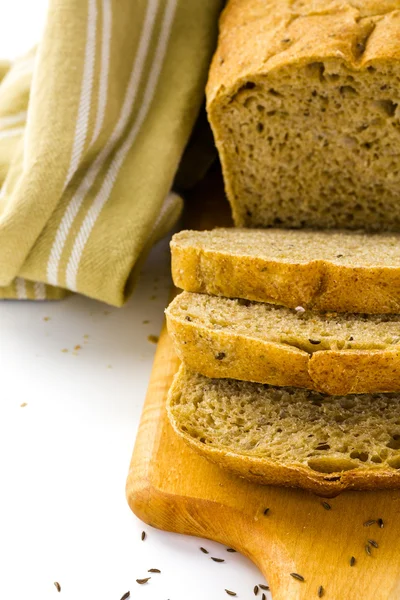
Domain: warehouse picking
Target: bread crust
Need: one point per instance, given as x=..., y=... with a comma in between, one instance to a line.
x=253, y=44
x=267, y=472
x=221, y=354
x=251, y=34
x=318, y=285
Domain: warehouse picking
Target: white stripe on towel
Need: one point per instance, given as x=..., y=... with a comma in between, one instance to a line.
x=85, y=101
x=93, y=171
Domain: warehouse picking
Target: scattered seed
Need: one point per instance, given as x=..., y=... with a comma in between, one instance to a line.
x=264, y=597
x=217, y=559
x=351, y=338
x=300, y=309
x=315, y=342
x=143, y=536
x=154, y=571
x=230, y=550
x=153, y=339
x=286, y=41
x=23, y=404
x=326, y=505
x=188, y=318
x=126, y=596
x=264, y=587
x=339, y=256
x=297, y=576
x=320, y=591
x=266, y=511
x=380, y=523
x=146, y=322
x=142, y=581
x=220, y=355
x=368, y=549
x=369, y=523
x=230, y=593
x=352, y=561
x=255, y=590
x=58, y=586
x=204, y=550
x=373, y=543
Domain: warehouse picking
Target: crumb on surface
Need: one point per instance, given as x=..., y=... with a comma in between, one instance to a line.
x=77, y=347
x=109, y=366
x=153, y=339
x=146, y=322
x=153, y=297
x=107, y=312
x=65, y=350
x=46, y=318
x=86, y=336
x=23, y=404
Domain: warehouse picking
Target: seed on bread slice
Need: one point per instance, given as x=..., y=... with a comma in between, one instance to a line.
x=321, y=270
x=336, y=354
x=288, y=436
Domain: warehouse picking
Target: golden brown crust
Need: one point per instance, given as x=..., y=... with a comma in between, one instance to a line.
x=252, y=33
x=246, y=359
x=334, y=372
x=318, y=285
x=260, y=38
x=267, y=472
x=355, y=371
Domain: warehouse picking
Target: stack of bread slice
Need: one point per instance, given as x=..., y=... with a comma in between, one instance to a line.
x=290, y=338
x=270, y=386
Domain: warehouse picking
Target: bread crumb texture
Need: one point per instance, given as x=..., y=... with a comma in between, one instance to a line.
x=341, y=271
x=269, y=428
x=309, y=331
x=334, y=353
x=304, y=105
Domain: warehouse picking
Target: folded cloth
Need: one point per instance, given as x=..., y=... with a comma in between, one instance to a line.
x=93, y=125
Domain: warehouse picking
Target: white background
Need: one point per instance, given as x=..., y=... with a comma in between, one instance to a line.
x=65, y=455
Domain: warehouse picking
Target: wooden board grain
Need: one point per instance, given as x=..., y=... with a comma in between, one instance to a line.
x=172, y=488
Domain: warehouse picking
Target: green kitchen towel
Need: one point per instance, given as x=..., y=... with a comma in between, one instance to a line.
x=93, y=124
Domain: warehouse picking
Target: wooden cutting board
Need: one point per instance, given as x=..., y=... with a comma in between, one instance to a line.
x=172, y=488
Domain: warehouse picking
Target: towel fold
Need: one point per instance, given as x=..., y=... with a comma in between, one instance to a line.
x=93, y=124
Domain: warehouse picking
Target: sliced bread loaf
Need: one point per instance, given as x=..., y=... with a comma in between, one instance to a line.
x=303, y=100
x=323, y=270
x=291, y=437
x=332, y=353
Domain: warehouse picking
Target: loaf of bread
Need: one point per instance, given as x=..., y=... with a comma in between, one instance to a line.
x=332, y=353
x=303, y=100
x=321, y=270
x=287, y=436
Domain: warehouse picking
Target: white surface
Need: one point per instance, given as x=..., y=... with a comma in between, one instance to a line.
x=21, y=24
x=65, y=456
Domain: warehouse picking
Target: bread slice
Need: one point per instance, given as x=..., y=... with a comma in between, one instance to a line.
x=303, y=101
x=323, y=270
x=239, y=339
x=287, y=436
